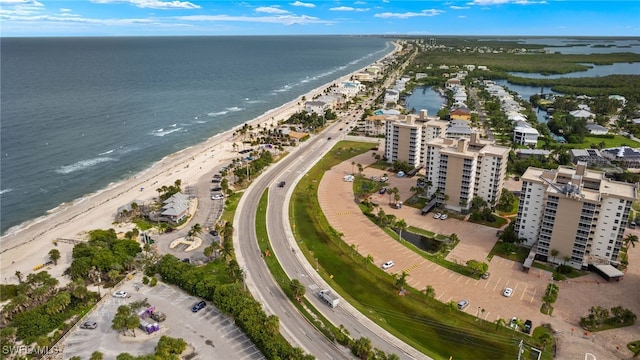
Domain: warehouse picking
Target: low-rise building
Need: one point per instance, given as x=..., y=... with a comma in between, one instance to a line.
x=176, y=208
x=318, y=107
x=525, y=135
x=592, y=157
x=624, y=156
x=595, y=129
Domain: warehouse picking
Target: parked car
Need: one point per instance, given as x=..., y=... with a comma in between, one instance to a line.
x=384, y=179
x=217, y=197
x=507, y=292
x=348, y=178
x=388, y=264
x=437, y=215
x=486, y=275
x=158, y=316
x=383, y=190
x=89, y=325
x=217, y=188
x=374, y=177
x=462, y=304
x=527, y=326
x=121, y=294
x=444, y=217
x=400, y=173
x=514, y=323
x=198, y=306
x=282, y=184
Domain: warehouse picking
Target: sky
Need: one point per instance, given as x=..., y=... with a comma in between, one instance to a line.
x=319, y=17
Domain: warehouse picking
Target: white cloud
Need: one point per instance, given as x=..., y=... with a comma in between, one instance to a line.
x=500, y=2
x=348, y=8
x=406, y=15
x=67, y=19
x=300, y=3
x=454, y=7
x=462, y=17
x=20, y=7
x=359, y=3
x=271, y=10
x=342, y=8
x=282, y=19
x=153, y=4
x=64, y=10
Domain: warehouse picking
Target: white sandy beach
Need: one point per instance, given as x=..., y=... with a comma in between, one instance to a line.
x=28, y=247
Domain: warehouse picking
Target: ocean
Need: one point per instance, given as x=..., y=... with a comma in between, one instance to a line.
x=77, y=114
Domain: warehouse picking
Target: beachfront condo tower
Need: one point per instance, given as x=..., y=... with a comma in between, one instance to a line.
x=575, y=211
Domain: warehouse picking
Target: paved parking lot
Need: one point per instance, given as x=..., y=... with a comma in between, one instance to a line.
x=211, y=334
x=485, y=298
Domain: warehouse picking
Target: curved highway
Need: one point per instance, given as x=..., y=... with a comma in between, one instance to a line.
x=260, y=282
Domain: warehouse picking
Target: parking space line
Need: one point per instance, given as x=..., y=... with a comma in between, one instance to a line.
x=450, y=275
x=468, y=279
x=242, y=343
x=524, y=292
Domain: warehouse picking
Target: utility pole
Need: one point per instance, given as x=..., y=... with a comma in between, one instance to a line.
x=520, y=350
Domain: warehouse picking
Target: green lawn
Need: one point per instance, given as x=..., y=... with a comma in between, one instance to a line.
x=617, y=140
x=439, y=330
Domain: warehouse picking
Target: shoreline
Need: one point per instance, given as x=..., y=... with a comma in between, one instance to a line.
x=28, y=245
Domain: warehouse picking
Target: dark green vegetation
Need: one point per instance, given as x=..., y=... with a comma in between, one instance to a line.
x=37, y=307
x=600, y=318
x=436, y=329
x=103, y=257
x=634, y=346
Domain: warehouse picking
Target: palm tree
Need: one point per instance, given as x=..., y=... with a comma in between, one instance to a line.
x=400, y=226
x=430, y=292
x=353, y=163
x=554, y=253
x=400, y=280
x=54, y=255
x=631, y=239
x=196, y=229
x=367, y=260
x=19, y=276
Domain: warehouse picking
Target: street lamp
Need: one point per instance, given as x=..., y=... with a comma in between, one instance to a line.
x=317, y=267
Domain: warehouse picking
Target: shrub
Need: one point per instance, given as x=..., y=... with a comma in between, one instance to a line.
x=145, y=280
x=154, y=281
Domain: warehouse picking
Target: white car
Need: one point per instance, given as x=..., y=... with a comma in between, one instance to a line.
x=121, y=294
x=384, y=179
x=437, y=215
x=388, y=264
x=217, y=197
x=348, y=178
x=507, y=292
x=443, y=217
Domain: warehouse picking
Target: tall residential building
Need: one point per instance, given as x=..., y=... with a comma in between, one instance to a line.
x=403, y=140
x=405, y=136
x=577, y=212
x=461, y=169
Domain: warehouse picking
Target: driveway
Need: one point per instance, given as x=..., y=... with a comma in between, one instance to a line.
x=575, y=297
